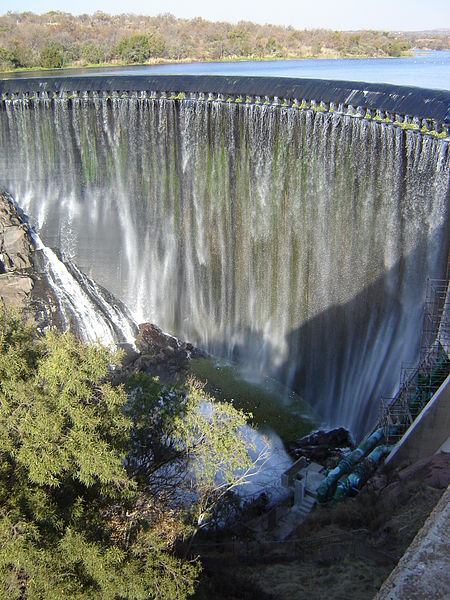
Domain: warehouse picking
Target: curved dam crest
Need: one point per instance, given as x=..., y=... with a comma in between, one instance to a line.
x=404, y=100
x=291, y=228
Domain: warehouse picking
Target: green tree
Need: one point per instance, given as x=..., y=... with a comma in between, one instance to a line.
x=21, y=56
x=394, y=49
x=239, y=42
x=73, y=524
x=97, y=486
x=186, y=444
x=139, y=48
x=156, y=44
x=272, y=47
x=92, y=54
x=51, y=57
x=6, y=59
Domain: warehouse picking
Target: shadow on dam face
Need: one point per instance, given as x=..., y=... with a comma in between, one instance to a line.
x=299, y=238
x=350, y=355
x=343, y=360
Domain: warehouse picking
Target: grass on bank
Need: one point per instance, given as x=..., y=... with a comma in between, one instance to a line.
x=272, y=405
x=193, y=60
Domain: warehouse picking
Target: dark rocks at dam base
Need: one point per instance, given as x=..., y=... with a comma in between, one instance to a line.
x=158, y=354
x=159, y=346
x=323, y=447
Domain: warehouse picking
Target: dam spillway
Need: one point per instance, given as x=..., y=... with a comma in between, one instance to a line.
x=290, y=225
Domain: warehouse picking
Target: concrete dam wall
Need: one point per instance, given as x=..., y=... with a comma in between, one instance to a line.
x=287, y=224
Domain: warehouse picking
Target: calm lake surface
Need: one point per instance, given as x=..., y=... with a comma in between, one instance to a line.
x=425, y=69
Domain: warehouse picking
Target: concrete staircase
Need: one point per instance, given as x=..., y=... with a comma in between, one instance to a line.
x=305, y=507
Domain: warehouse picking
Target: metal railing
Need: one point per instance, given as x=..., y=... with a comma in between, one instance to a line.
x=319, y=547
x=418, y=384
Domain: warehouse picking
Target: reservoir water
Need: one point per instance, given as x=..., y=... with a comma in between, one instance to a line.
x=425, y=69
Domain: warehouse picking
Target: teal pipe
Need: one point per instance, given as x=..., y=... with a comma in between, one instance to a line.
x=326, y=489
x=352, y=484
x=360, y=466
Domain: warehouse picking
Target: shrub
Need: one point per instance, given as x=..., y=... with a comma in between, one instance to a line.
x=139, y=48
x=92, y=54
x=51, y=57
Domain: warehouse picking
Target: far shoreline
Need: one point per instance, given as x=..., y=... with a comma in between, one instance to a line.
x=193, y=61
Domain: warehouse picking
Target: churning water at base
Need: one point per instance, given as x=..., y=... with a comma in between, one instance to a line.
x=296, y=241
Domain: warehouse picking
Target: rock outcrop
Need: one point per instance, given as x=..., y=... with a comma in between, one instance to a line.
x=16, y=249
x=23, y=279
x=324, y=447
x=159, y=354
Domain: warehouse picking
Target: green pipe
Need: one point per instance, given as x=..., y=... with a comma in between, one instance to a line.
x=333, y=488
x=352, y=484
x=326, y=489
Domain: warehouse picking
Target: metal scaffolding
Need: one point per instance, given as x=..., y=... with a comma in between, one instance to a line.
x=418, y=384
x=436, y=321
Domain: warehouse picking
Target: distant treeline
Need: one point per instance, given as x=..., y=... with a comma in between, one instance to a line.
x=58, y=39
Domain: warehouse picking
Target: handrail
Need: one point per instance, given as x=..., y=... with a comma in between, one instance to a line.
x=299, y=546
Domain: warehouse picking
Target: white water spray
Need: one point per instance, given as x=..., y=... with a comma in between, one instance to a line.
x=295, y=241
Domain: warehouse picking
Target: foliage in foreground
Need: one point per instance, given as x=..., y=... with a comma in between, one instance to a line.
x=89, y=478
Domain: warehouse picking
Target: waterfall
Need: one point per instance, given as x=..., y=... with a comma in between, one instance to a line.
x=78, y=303
x=297, y=242
x=86, y=307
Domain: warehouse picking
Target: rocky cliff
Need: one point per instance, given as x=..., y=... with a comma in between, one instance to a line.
x=16, y=249
x=23, y=277
x=28, y=284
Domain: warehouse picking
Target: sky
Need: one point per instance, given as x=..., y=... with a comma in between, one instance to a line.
x=389, y=15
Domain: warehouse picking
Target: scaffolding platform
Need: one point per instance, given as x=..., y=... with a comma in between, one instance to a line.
x=418, y=384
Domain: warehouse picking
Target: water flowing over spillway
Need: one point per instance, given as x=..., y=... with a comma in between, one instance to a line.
x=296, y=241
x=98, y=316
x=75, y=301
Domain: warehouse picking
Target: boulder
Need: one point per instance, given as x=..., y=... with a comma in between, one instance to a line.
x=16, y=247
x=337, y=438
x=15, y=289
x=151, y=340
x=129, y=354
x=322, y=446
x=160, y=354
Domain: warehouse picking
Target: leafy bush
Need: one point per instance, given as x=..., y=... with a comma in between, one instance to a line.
x=6, y=59
x=73, y=524
x=51, y=57
x=97, y=486
x=92, y=54
x=21, y=56
x=139, y=48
